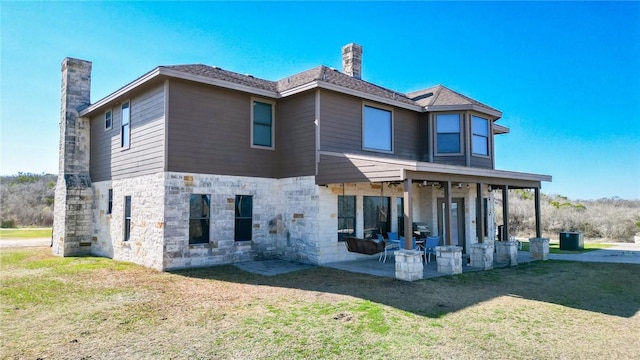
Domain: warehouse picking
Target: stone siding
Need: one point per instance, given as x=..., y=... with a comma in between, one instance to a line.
x=72, y=224
x=285, y=220
x=145, y=245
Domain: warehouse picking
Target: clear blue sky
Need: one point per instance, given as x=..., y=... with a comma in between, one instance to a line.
x=565, y=75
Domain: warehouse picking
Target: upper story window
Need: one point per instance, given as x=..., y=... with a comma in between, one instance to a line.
x=448, y=133
x=377, y=129
x=108, y=121
x=125, y=128
x=480, y=138
x=262, y=124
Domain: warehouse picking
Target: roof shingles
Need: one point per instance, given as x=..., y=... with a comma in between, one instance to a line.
x=434, y=96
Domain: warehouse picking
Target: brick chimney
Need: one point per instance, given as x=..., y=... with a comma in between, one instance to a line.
x=352, y=60
x=72, y=229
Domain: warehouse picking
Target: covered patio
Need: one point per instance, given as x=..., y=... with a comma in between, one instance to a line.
x=463, y=225
x=372, y=266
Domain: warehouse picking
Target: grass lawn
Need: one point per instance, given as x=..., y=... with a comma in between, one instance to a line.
x=87, y=307
x=554, y=247
x=25, y=233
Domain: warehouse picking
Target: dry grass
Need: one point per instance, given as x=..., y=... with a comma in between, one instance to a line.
x=93, y=308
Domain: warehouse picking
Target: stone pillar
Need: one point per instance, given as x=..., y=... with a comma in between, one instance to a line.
x=352, y=60
x=72, y=219
x=539, y=248
x=449, y=258
x=507, y=252
x=409, y=265
x=482, y=256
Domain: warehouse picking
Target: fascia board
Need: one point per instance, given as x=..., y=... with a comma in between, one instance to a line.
x=160, y=71
x=473, y=107
x=219, y=83
x=120, y=92
x=356, y=93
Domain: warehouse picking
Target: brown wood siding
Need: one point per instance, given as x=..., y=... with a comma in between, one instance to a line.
x=338, y=169
x=481, y=162
x=209, y=132
x=145, y=154
x=341, y=127
x=450, y=160
x=296, y=135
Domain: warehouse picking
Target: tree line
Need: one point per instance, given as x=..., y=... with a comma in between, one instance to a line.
x=27, y=199
x=607, y=218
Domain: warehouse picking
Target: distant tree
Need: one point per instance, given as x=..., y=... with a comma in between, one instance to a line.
x=26, y=199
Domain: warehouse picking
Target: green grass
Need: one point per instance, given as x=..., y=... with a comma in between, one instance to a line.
x=554, y=247
x=89, y=307
x=25, y=233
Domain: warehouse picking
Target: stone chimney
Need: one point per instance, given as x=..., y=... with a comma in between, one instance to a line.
x=352, y=60
x=72, y=218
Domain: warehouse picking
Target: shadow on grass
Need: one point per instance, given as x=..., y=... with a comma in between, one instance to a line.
x=611, y=289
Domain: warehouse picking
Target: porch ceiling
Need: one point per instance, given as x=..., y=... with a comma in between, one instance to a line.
x=340, y=167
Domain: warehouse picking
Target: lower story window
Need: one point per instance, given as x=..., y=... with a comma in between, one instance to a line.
x=244, y=218
x=127, y=218
x=199, y=209
x=346, y=216
x=376, y=216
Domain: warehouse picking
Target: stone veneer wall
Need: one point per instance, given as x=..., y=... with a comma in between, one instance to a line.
x=285, y=220
x=73, y=196
x=146, y=243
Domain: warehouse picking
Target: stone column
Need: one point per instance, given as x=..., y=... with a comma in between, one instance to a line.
x=409, y=265
x=482, y=256
x=539, y=248
x=449, y=258
x=72, y=219
x=507, y=252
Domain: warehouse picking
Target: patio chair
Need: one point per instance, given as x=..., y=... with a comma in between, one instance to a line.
x=392, y=244
x=414, y=246
x=430, y=246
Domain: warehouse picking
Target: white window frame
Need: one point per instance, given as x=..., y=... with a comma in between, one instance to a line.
x=461, y=135
x=126, y=230
x=110, y=125
x=273, y=123
x=124, y=146
x=379, y=107
x=488, y=154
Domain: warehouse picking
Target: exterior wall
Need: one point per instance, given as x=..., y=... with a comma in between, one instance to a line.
x=146, y=244
x=296, y=135
x=145, y=155
x=209, y=132
x=341, y=127
x=285, y=220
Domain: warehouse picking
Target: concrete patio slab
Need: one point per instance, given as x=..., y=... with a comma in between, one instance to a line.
x=272, y=267
x=620, y=253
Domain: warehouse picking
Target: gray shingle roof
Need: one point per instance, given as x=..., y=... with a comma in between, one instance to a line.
x=442, y=95
x=220, y=74
x=437, y=95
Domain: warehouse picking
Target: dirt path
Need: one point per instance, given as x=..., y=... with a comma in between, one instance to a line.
x=5, y=243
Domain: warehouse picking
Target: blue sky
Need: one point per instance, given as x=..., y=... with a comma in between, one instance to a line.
x=565, y=75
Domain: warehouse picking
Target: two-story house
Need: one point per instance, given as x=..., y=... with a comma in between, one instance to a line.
x=194, y=165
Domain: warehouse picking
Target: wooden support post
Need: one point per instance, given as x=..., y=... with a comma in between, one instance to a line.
x=448, y=226
x=505, y=213
x=538, y=220
x=408, y=215
x=479, y=213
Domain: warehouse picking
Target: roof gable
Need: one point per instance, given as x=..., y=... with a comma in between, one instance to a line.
x=441, y=95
